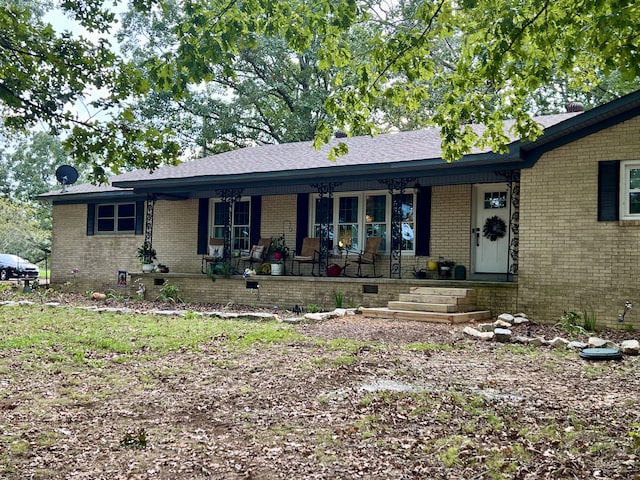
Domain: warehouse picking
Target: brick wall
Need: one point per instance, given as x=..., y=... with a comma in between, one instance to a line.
x=98, y=258
x=286, y=291
x=451, y=223
x=568, y=260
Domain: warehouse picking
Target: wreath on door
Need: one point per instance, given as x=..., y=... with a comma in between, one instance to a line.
x=494, y=228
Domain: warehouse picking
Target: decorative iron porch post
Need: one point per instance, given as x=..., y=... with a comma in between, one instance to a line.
x=396, y=187
x=229, y=197
x=325, y=191
x=513, y=184
x=148, y=219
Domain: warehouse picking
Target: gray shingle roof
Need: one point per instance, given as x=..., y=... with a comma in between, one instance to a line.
x=422, y=144
x=364, y=151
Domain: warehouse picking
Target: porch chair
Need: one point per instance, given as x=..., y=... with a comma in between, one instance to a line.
x=257, y=254
x=367, y=256
x=309, y=253
x=214, y=254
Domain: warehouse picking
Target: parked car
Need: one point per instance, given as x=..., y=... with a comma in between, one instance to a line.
x=12, y=266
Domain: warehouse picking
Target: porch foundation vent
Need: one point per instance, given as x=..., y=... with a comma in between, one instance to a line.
x=369, y=288
x=158, y=282
x=252, y=285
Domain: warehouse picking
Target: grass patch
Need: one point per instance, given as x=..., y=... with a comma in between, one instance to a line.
x=69, y=334
x=422, y=346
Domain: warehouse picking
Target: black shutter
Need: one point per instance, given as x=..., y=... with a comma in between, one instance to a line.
x=91, y=218
x=256, y=217
x=423, y=221
x=203, y=226
x=302, y=219
x=139, y=217
x=608, y=190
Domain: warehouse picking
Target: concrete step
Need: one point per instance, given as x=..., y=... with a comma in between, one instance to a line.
x=435, y=317
x=448, y=291
x=445, y=299
x=423, y=307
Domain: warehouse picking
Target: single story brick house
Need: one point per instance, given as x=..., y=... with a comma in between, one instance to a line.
x=551, y=226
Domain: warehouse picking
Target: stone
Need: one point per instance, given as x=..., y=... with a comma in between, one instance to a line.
x=340, y=312
x=486, y=327
x=502, y=335
x=507, y=317
x=521, y=340
x=472, y=332
x=501, y=324
x=538, y=341
x=630, y=347
x=520, y=320
x=575, y=345
x=315, y=317
x=559, y=342
x=595, y=342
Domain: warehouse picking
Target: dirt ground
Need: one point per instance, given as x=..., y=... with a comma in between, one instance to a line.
x=374, y=399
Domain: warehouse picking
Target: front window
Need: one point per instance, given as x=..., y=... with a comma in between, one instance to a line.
x=116, y=218
x=240, y=223
x=356, y=217
x=630, y=191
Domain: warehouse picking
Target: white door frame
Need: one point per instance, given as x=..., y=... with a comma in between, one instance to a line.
x=490, y=256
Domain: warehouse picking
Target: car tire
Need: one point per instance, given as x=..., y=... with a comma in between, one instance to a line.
x=4, y=275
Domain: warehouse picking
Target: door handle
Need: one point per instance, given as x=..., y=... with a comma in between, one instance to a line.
x=477, y=232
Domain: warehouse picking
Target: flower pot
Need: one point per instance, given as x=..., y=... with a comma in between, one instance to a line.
x=148, y=267
x=277, y=268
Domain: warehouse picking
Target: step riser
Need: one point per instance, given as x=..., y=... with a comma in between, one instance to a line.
x=455, y=292
x=423, y=307
x=450, y=300
x=427, y=316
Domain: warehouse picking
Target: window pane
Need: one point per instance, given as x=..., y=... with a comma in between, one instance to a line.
x=407, y=208
x=106, y=211
x=348, y=210
x=241, y=213
x=126, y=224
x=348, y=236
x=495, y=200
x=324, y=207
x=378, y=230
x=219, y=212
x=634, y=202
x=634, y=179
x=126, y=210
x=106, y=224
x=376, y=208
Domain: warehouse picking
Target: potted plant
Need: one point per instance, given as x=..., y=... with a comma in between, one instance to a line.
x=146, y=254
x=279, y=252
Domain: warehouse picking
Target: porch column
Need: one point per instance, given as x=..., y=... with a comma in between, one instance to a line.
x=513, y=184
x=148, y=219
x=325, y=191
x=229, y=197
x=396, y=187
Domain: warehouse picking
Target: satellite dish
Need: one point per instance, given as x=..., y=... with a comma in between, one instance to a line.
x=66, y=175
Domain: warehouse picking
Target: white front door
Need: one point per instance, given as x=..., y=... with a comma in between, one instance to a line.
x=490, y=233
